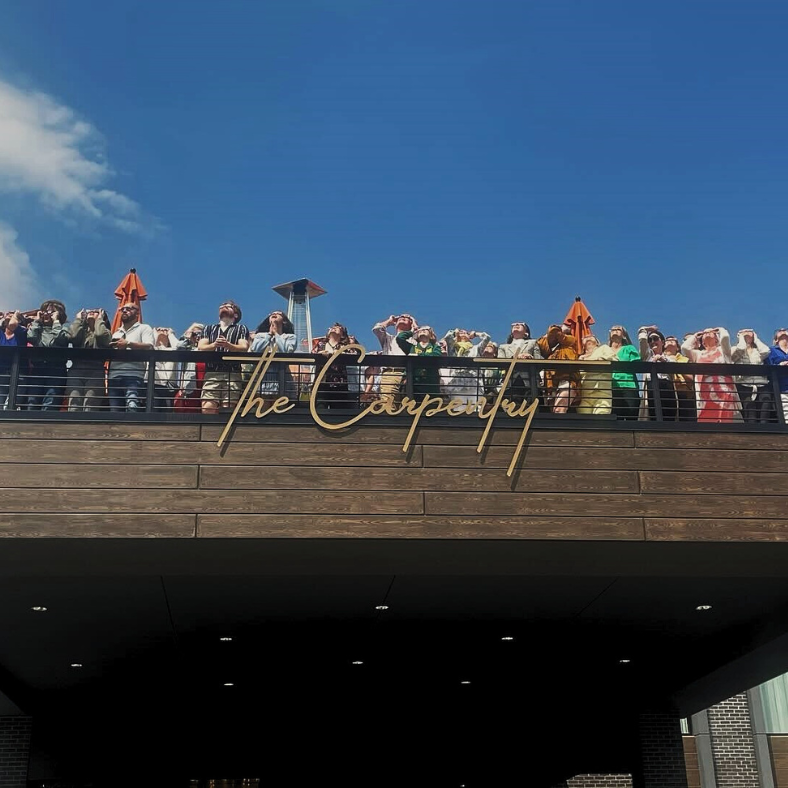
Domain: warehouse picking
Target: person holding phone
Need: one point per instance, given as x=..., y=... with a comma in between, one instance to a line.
x=90, y=330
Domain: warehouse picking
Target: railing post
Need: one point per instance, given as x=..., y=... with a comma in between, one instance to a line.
x=774, y=374
x=13, y=382
x=655, y=393
x=533, y=382
x=151, y=387
x=408, y=377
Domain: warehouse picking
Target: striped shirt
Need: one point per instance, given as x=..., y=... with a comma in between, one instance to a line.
x=232, y=334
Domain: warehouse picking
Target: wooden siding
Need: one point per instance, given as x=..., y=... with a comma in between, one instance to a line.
x=279, y=481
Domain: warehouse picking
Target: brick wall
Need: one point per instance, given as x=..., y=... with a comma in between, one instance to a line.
x=14, y=750
x=600, y=781
x=732, y=744
x=662, y=751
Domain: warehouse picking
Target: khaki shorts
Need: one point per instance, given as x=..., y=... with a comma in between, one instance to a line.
x=222, y=387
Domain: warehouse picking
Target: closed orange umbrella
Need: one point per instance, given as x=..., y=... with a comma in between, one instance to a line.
x=129, y=291
x=579, y=319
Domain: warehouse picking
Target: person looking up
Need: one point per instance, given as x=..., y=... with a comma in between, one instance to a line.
x=755, y=392
x=520, y=345
x=334, y=390
x=683, y=383
x=651, y=344
x=716, y=395
x=13, y=334
x=392, y=378
x=626, y=400
x=596, y=387
x=558, y=344
x=126, y=378
x=277, y=331
x=221, y=388
x=47, y=380
x=422, y=342
x=91, y=330
x=778, y=357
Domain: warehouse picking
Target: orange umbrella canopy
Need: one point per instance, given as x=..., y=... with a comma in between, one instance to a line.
x=130, y=290
x=579, y=319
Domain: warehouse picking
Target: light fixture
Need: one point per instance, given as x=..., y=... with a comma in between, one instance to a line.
x=76, y=664
x=357, y=662
x=625, y=661
x=703, y=607
x=465, y=682
x=39, y=609
x=381, y=607
x=507, y=637
x=229, y=684
x=225, y=639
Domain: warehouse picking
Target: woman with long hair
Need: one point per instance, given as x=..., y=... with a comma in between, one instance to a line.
x=334, y=390
x=277, y=331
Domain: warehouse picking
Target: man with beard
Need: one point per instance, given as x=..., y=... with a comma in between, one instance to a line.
x=222, y=385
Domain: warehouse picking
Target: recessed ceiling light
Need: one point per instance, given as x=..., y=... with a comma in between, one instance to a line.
x=703, y=607
x=76, y=664
x=229, y=684
x=357, y=662
x=507, y=637
x=39, y=608
x=225, y=639
x=465, y=682
x=625, y=661
x=381, y=607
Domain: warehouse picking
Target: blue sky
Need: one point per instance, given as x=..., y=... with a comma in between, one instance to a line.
x=471, y=163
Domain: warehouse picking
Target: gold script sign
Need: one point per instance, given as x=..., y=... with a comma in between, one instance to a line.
x=427, y=406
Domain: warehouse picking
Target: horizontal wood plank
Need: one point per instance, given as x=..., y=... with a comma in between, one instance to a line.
x=714, y=483
x=369, y=432
x=339, y=478
x=215, y=501
x=589, y=458
x=614, y=505
x=124, y=526
x=672, y=529
x=65, y=430
x=300, y=527
x=50, y=475
x=235, y=453
x=750, y=441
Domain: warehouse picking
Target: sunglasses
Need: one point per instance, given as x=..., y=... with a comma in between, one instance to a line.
x=128, y=309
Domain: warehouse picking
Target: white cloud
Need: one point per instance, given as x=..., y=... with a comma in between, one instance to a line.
x=18, y=284
x=48, y=151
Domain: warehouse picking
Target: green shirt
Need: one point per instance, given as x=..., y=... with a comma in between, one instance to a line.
x=626, y=380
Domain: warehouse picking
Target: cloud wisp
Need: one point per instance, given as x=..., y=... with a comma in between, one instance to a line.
x=47, y=151
x=19, y=285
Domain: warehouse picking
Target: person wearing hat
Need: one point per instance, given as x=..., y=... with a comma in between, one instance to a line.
x=778, y=357
x=651, y=344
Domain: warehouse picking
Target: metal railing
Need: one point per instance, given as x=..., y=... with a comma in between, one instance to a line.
x=195, y=385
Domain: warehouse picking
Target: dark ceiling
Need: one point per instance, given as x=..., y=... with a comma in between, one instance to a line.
x=145, y=621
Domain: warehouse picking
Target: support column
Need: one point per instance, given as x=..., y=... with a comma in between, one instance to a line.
x=733, y=744
x=662, y=763
x=14, y=750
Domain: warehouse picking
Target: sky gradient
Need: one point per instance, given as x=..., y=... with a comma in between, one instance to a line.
x=470, y=163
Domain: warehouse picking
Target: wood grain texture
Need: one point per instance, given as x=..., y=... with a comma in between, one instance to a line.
x=446, y=479
x=368, y=432
x=714, y=483
x=613, y=505
x=112, y=476
x=214, y=501
x=166, y=453
x=296, y=526
x=711, y=440
x=125, y=526
x=60, y=431
x=672, y=529
x=568, y=458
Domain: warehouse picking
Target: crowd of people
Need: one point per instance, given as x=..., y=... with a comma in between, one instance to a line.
x=108, y=381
